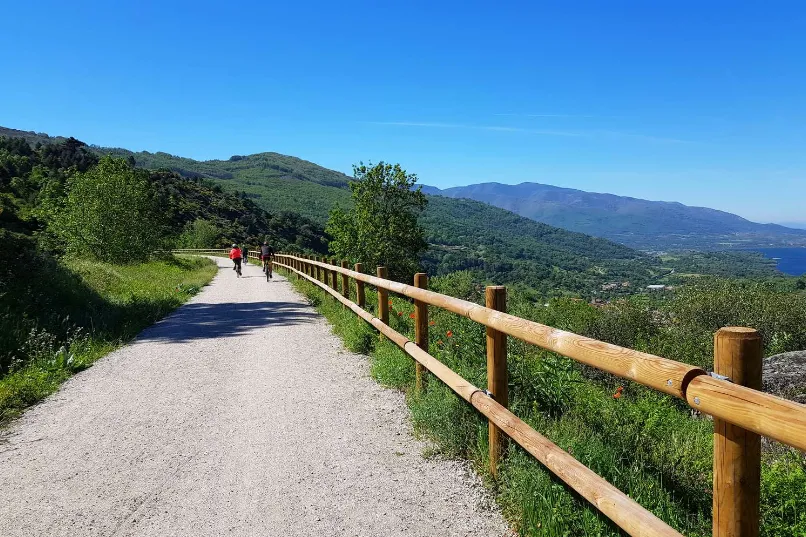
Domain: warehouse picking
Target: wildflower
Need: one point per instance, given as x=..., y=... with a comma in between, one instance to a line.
x=617, y=395
x=411, y=316
x=449, y=333
x=399, y=313
x=390, y=303
x=431, y=323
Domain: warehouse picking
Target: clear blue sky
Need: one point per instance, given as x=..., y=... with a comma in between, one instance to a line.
x=691, y=101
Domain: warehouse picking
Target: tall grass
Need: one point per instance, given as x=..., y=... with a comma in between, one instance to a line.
x=645, y=443
x=66, y=315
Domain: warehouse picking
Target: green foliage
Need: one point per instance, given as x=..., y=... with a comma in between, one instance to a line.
x=709, y=304
x=496, y=245
x=111, y=213
x=501, y=247
x=68, y=314
x=784, y=478
x=644, y=443
x=381, y=228
x=200, y=233
x=738, y=264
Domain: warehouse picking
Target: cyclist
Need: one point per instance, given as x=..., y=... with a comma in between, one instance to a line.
x=266, y=255
x=235, y=255
x=245, y=255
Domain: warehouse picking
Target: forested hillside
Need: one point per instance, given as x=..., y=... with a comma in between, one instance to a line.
x=497, y=245
x=59, y=199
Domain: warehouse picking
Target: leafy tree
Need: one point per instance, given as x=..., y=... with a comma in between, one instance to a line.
x=200, y=234
x=111, y=213
x=382, y=226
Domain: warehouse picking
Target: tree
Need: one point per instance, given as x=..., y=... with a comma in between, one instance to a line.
x=382, y=226
x=200, y=233
x=111, y=213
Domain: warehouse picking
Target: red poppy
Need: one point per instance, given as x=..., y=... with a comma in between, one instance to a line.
x=411, y=316
x=449, y=333
x=431, y=323
x=390, y=303
x=617, y=395
x=399, y=313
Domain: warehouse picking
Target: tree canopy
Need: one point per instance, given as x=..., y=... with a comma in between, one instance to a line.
x=382, y=227
x=111, y=213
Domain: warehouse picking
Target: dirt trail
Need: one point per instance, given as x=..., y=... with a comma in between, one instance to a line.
x=240, y=414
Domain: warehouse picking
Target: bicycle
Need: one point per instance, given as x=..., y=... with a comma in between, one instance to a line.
x=238, y=270
x=267, y=268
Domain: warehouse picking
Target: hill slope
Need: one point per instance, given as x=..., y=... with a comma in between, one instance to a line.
x=498, y=245
x=654, y=225
x=464, y=234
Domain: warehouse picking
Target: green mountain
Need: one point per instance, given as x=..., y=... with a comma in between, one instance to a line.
x=498, y=245
x=638, y=223
x=463, y=234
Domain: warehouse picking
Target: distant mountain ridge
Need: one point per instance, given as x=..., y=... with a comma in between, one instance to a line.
x=496, y=245
x=639, y=223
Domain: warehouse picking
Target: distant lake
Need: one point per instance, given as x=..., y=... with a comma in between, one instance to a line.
x=790, y=260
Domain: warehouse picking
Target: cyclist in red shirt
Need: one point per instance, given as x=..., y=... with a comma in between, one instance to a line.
x=235, y=255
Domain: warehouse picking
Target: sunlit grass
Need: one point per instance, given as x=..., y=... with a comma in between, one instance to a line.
x=105, y=306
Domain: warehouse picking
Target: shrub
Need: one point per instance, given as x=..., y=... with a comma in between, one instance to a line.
x=111, y=213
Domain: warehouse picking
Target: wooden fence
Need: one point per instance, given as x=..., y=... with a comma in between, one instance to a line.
x=730, y=394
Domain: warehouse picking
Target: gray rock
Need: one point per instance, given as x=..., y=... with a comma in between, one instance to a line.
x=785, y=375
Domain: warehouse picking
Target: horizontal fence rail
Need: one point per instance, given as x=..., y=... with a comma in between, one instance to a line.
x=762, y=413
x=730, y=395
x=620, y=508
x=739, y=412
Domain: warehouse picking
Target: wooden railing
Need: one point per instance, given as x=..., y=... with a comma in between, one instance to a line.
x=741, y=413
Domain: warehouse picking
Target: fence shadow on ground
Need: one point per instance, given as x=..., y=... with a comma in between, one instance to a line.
x=228, y=319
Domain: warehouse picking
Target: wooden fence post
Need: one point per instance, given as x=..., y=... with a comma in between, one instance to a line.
x=420, y=327
x=497, y=378
x=317, y=270
x=383, y=298
x=345, y=282
x=360, y=299
x=334, y=276
x=737, y=452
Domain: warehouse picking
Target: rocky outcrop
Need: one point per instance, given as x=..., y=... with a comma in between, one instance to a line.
x=785, y=375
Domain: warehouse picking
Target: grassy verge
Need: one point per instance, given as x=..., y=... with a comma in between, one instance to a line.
x=69, y=314
x=646, y=444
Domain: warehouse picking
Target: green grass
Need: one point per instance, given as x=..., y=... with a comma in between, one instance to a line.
x=646, y=444
x=76, y=311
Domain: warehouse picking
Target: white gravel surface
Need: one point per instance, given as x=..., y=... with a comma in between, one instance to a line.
x=240, y=414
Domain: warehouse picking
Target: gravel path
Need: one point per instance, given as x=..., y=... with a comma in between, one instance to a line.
x=240, y=414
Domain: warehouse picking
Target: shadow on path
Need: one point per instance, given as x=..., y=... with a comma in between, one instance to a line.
x=207, y=321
